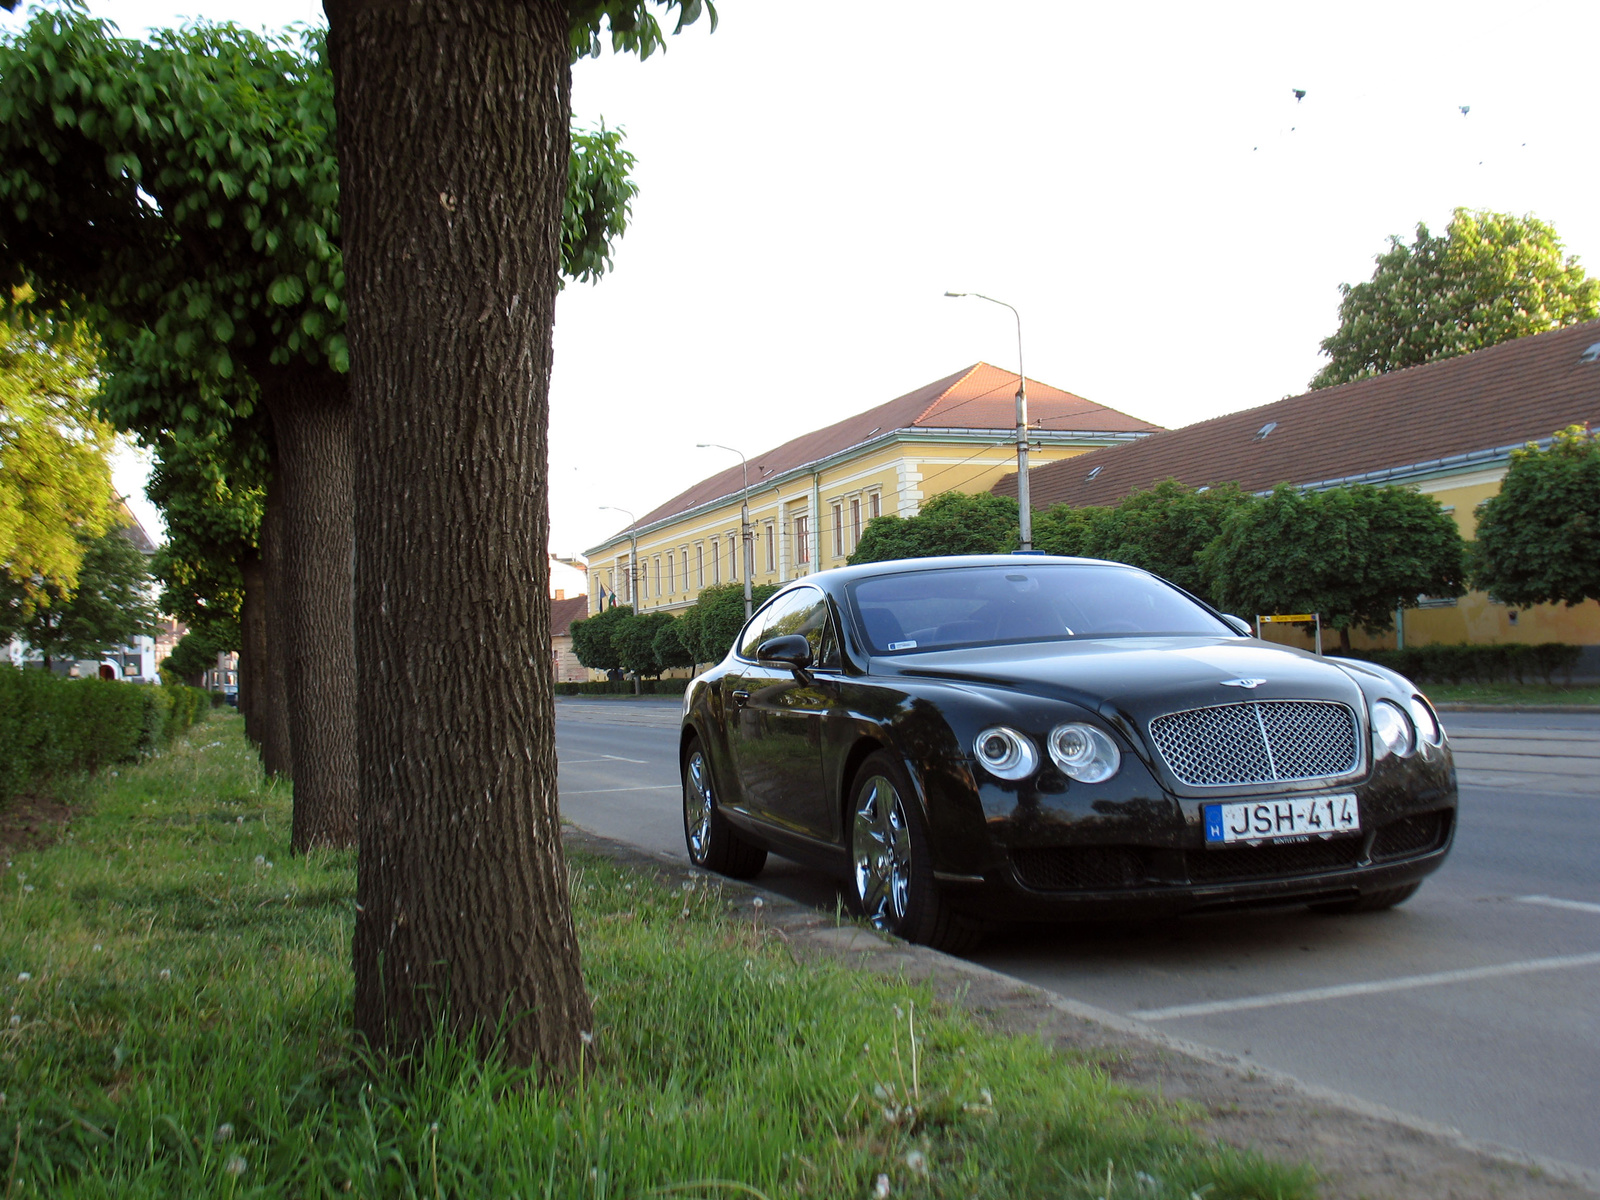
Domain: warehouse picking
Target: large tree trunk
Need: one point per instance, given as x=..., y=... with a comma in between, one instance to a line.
x=277, y=752
x=453, y=149
x=310, y=413
x=253, y=648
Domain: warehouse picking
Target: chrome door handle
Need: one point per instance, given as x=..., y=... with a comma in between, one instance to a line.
x=740, y=697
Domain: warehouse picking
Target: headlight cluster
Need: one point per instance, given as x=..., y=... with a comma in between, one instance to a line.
x=1083, y=752
x=1402, y=731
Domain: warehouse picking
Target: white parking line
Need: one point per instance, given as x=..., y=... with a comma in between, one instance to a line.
x=1404, y=983
x=659, y=787
x=1555, y=902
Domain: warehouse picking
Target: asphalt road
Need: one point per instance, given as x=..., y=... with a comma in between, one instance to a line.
x=1475, y=1005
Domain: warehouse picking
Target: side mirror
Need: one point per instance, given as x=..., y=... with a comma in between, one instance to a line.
x=791, y=650
x=1244, y=628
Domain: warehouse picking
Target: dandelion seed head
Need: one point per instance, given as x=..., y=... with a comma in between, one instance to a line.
x=224, y=1133
x=235, y=1165
x=898, y=1015
x=261, y=859
x=434, y=1128
x=27, y=887
x=165, y=974
x=586, y=1037
x=23, y=977
x=880, y=1189
x=917, y=1161
x=15, y=1021
x=97, y=947
x=759, y=902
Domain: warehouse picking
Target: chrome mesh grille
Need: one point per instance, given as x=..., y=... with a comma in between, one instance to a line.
x=1263, y=741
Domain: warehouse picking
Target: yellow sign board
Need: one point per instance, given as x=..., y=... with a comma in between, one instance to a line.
x=1294, y=617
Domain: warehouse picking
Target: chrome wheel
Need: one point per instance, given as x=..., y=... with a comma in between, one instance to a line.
x=880, y=844
x=698, y=803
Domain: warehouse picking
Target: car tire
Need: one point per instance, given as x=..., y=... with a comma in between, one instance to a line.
x=710, y=840
x=891, y=864
x=1371, y=902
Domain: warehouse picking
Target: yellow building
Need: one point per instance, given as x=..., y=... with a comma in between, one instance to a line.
x=811, y=498
x=1446, y=428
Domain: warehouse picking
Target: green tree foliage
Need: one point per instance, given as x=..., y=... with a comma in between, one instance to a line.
x=1539, y=537
x=1491, y=278
x=55, y=468
x=1065, y=530
x=1353, y=554
x=195, y=653
x=950, y=523
x=635, y=641
x=214, y=504
x=1165, y=529
x=594, y=638
x=721, y=617
x=109, y=606
x=670, y=646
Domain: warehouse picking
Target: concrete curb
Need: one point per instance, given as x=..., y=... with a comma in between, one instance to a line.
x=1379, y=1152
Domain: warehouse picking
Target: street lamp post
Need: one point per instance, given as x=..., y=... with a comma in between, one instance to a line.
x=1024, y=505
x=633, y=566
x=744, y=518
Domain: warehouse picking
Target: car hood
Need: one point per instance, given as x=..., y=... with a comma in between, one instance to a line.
x=1138, y=678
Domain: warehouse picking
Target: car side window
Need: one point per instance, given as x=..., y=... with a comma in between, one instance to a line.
x=803, y=611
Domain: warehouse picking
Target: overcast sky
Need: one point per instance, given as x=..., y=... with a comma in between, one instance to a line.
x=1138, y=180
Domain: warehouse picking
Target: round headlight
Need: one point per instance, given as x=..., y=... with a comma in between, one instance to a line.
x=1427, y=724
x=1084, y=753
x=1391, y=730
x=1005, y=753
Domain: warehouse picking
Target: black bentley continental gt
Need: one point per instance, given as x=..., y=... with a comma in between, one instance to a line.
x=1032, y=738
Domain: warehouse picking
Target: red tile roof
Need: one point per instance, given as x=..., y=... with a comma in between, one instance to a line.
x=564, y=612
x=1506, y=395
x=979, y=397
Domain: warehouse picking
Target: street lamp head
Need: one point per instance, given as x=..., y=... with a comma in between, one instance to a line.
x=956, y=295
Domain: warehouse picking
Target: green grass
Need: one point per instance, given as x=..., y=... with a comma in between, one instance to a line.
x=1510, y=693
x=175, y=1021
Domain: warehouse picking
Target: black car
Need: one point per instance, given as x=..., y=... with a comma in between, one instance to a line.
x=1028, y=737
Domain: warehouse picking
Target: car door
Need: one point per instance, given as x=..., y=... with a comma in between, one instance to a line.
x=776, y=726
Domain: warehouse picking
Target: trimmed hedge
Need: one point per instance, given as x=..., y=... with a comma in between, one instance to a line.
x=1465, y=663
x=51, y=726
x=623, y=687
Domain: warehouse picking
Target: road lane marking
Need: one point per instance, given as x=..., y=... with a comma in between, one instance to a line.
x=1556, y=902
x=1404, y=983
x=659, y=787
x=578, y=762
x=619, y=758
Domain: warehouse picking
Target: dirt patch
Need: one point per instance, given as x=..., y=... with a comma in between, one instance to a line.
x=31, y=823
x=1361, y=1152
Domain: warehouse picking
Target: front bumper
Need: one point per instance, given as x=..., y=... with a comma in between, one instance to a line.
x=1051, y=852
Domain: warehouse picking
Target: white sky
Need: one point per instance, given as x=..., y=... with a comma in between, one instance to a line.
x=1137, y=179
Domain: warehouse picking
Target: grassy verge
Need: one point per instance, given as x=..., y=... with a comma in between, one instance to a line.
x=1510, y=693
x=174, y=1021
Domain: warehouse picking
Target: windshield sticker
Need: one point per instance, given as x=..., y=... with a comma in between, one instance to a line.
x=902, y=645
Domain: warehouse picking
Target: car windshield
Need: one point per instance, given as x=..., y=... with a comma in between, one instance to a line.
x=979, y=606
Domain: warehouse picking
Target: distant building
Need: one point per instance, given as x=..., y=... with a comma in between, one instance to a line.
x=811, y=498
x=563, y=612
x=1446, y=428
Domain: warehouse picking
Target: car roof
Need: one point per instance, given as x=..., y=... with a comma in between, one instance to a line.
x=840, y=576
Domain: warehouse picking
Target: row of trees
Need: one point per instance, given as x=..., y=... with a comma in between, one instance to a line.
x=1355, y=554
x=646, y=644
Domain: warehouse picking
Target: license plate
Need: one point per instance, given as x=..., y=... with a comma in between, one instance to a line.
x=1292, y=819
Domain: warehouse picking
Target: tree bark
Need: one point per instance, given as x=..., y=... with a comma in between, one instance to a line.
x=310, y=414
x=253, y=648
x=277, y=751
x=453, y=129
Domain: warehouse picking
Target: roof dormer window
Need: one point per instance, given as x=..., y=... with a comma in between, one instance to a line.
x=1095, y=471
x=1591, y=355
x=1261, y=433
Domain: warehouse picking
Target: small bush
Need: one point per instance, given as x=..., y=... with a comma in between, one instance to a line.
x=50, y=726
x=1464, y=663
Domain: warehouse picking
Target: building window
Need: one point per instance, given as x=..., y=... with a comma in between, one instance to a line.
x=700, y=565
x=686, y=569
x=875, y=504
x=669, y=575
x=735, y=558
x=772, y=550
x=855, y=522
x=716, y=561
x=802, y=541
x=658, y=576
x=838, y=531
